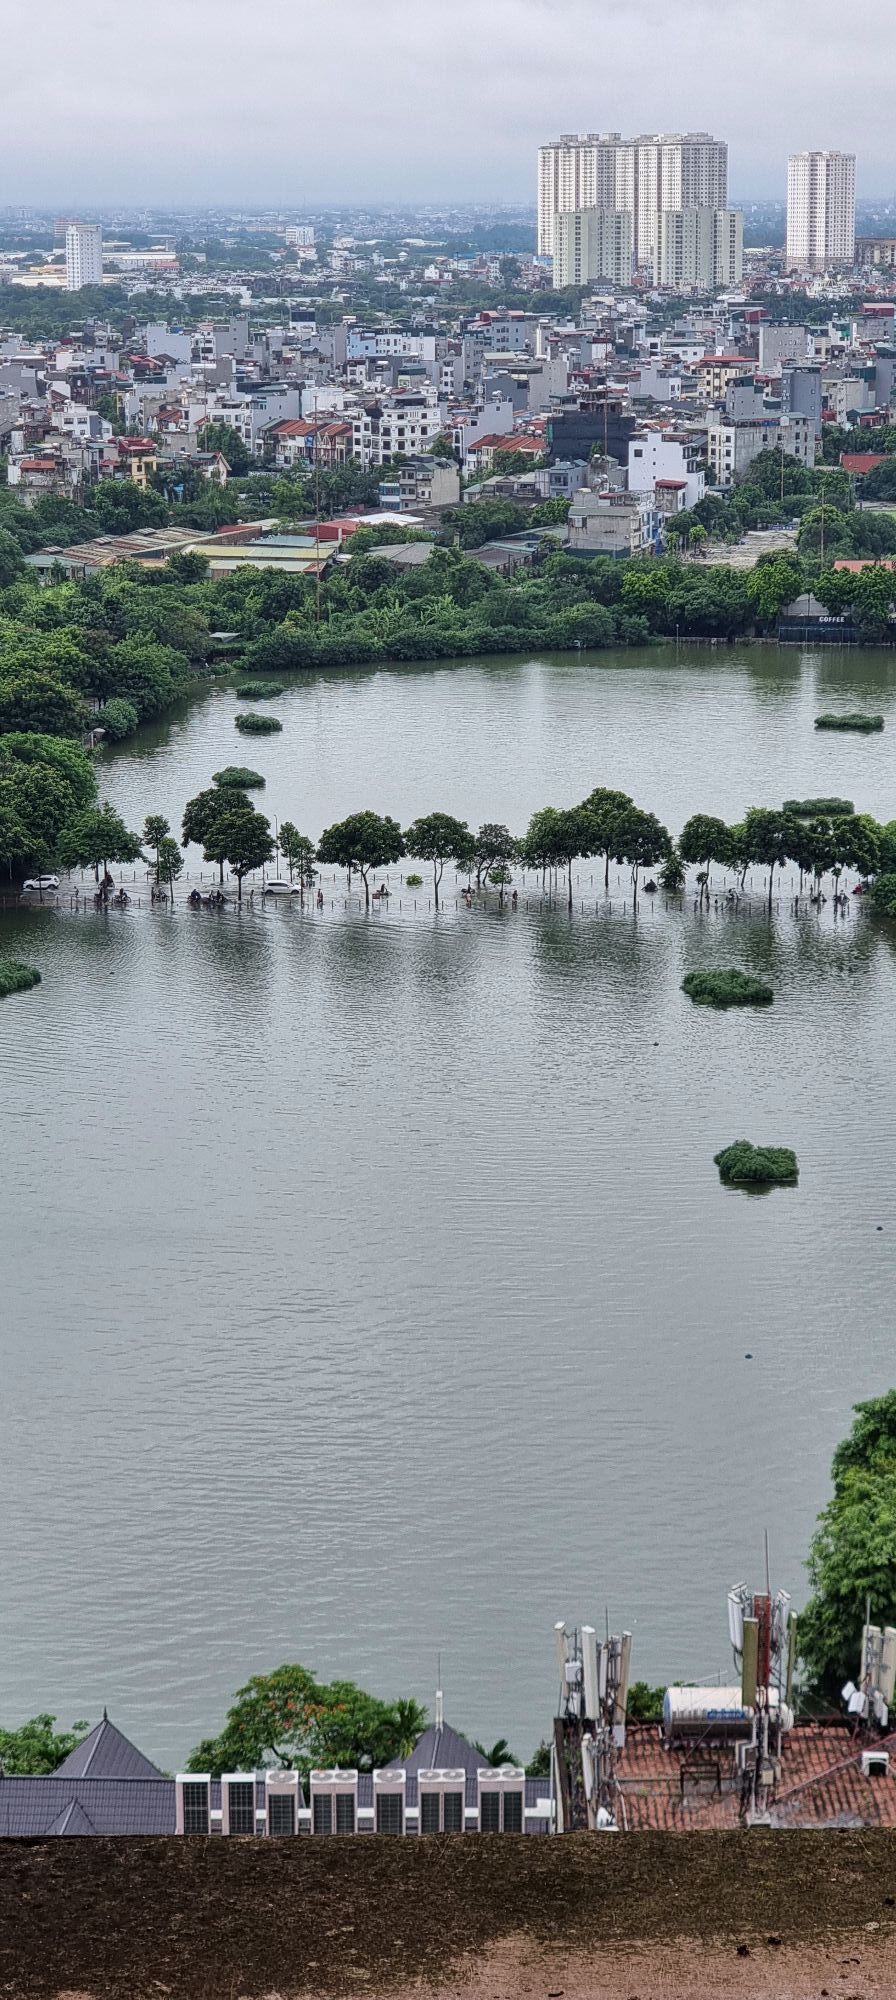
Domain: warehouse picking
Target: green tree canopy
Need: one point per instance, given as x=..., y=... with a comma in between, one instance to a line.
x=439, y=837
x=242, y=838
x=363, y=841
x=33, y=701
x=853, y=1552
x=94, y=837
x=298, y=852
x=290, y=1719
x=640, y=839
x=770, y=839
x=37, y=1747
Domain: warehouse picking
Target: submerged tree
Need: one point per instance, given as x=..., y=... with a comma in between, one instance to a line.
x=439, y=837
x=640, y=839
x=96, y=836
x=363, y=841
x=770, y=839
x=705, y=839
x=155, y=829
x=298, y=853
x=494, y=847
x=604, y=807
x=242, y=838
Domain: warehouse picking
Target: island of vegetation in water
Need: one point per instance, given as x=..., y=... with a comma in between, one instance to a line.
x=259, y=690
x=239, y=778
x=862, y=725
x=744, y=1165
x=16, y=977
x=819, y=808
x=257, y=725
x=727, y=989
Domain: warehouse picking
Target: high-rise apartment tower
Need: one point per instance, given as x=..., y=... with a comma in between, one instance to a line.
x=821, y=209
x=83, y=255
x=645, y=176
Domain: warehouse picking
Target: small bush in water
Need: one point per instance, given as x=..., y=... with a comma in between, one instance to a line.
x=16, y=977
x=239, y=777
x=259, y=690
x=413, y=881
x=819, y=808
x=727, y=989
x=257, y=725
x=863, y=724
x=745, y=1165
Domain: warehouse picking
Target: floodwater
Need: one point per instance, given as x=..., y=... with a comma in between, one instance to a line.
x=369, y=1292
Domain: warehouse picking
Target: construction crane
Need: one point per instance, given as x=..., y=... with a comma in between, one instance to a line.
x=589, y=1728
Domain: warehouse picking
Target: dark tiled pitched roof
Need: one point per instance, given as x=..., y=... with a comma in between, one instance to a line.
x=106, y=1753
x=72, y=1820
x=30, y=1807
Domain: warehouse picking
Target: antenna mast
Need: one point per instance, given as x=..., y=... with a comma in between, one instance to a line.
x=762, y=1630
x=589, y=1728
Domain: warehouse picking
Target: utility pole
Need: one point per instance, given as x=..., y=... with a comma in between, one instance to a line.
x=316, y=517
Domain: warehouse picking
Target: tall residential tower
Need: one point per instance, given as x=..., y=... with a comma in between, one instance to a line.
x=83, y=255
x=821, y=209
x=646, y=176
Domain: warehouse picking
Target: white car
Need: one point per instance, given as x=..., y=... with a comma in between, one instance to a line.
x=40, y=882
x=280, y=888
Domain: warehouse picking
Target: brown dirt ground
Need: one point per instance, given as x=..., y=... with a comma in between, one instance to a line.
x=639, y=1917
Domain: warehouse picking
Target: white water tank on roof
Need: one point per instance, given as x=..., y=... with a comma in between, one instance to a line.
x=712, y=1715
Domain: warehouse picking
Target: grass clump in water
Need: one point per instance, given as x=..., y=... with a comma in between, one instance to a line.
x=819, y=808
x=238, y=778
x=257, y=725
x=745, y=1165
x=864, y=725
x=259, y=690
x=16, y=977
x=727, y=989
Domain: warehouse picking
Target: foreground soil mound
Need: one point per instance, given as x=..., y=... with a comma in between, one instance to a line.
x=641, y=1917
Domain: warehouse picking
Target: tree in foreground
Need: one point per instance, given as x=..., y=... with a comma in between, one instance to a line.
x=853, y=1552
x=155, y=830
x=242, y=838
x=96, y=836
x=298, y=853
x=494, y=846
x=705, y=839
x=37, y=1747
x=169, y=863
x=770, y=839
x=204, y=813
x=439, y=837
x=289, y=1719
x=604, y=807
x=362, y=842
x=640, y=839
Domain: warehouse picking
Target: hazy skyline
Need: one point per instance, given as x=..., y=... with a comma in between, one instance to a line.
x=289, y=103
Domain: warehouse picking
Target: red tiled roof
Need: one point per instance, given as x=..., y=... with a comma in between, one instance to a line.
x=821, y=1783
x=860, y=462
x=856, y=563
x=37, y=465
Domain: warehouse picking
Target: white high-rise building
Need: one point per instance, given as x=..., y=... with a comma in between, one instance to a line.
x=645, y=175
x=699, y=249
x=592, y=243
x=821, y=209
x=83, y=255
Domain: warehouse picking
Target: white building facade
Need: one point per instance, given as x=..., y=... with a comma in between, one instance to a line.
x=698, y=249
x=821, y=209
x=592, y=243
x=83, y=255
x=644, y=176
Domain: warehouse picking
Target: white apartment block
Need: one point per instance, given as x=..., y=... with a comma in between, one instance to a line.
x=612, y=524
x=821, y=209
x=662, y=459
x=592, y=243
x=656, y=171
x=83, y=255
x=698, y=249
x=732, y=446
x=403, y=426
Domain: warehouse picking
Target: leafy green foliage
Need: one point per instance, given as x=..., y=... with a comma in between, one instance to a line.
x=37, y=1747
x=120, y=718
x=439, y=837
x=672, y=874
x=744, y=1165
x=250, y=724
x=16, y=978
x=818, y=808
x=726, y=989
x=95, y=836
x=883, y=895
x=363, y=841
x=297, y=850
x=259, y=690
x=238, y=777
x=864, y=725
x=853, y=1551
x=291, y=1720
x=242, y=838
x=645, y=1703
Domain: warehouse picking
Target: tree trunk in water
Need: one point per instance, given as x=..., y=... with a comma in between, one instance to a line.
x=239, y=888
x=436, y=878
x=569, y=900
x=607, y=871
x=771, y=878
x=366, y=890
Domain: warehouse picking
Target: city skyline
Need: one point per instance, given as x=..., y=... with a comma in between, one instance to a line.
x=458, y=104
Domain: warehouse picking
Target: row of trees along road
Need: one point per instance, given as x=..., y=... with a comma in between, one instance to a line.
x=607, y=825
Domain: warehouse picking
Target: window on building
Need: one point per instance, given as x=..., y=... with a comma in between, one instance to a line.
x=322, y=1812
x=195, y=1808
x=389, y=1815
x=281, y=1813
x=241, y=1807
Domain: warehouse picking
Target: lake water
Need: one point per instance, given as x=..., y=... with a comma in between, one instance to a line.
x=369, y=1292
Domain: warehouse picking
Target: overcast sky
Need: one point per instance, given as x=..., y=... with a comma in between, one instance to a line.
x=340, y=100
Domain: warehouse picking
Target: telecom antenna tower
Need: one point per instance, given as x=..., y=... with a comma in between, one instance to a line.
x=589, y=1727
x=763, y=1634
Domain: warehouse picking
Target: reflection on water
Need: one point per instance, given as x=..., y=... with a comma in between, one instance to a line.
x=370, y=1290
